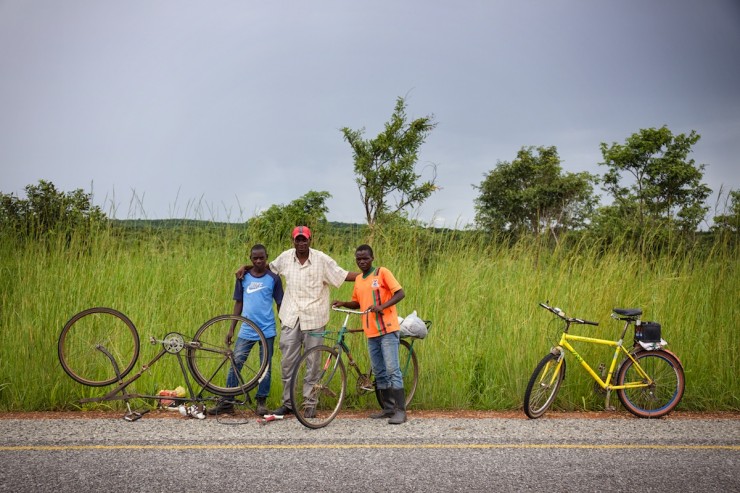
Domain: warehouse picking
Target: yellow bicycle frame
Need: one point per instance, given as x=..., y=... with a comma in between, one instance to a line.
x=605, y=384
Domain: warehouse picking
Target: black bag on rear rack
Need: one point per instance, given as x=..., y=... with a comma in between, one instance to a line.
x=647, y=331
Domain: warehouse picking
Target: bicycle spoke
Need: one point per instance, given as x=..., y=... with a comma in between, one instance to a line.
x=223, y=370
x=98, y=346
x=318, y=387
x=543, y=386
x=659, y=397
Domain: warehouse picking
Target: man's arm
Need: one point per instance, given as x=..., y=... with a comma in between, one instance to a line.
x=351, y=276
x=243, y=270
x=352, y=305
x=397, y=296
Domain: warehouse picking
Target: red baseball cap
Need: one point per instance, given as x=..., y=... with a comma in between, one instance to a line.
x=301, y=231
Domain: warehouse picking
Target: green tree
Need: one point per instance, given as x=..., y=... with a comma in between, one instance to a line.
x=46, y=209
x=730, y=221
x=277, y=222
x=385, y=166
x=532, y=194
x=664, y=189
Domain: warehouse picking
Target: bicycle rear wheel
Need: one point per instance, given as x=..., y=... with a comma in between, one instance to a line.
x=543, y=386
x=663, y=395
x=318, y=386
x=409, y=370
x=98, y=346
x=210, y=360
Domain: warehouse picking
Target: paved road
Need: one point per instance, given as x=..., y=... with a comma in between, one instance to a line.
x=361, y=455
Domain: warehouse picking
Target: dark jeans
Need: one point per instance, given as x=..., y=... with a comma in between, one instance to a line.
x=241, y=352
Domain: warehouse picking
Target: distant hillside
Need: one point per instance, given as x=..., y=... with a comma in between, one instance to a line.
x=178, y=223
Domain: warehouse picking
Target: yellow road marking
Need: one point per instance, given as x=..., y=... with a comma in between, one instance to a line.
x=42, y=448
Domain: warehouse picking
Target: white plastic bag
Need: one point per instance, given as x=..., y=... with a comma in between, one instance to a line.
x=413, y=326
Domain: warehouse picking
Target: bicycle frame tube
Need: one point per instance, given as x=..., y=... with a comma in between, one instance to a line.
x=618, y=349
x=405, y=364
x=121, y=387
x=342, y=348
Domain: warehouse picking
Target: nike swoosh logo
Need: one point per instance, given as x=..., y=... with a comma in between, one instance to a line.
x=251, y=290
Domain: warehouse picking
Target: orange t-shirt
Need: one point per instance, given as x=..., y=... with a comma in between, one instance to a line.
x=375, y=289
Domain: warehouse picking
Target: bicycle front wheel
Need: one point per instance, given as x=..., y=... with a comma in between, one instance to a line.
x=98, y=346
x=543, y=386
x=662, y=395
x=318, y=386
x=409, y=369
x=211, y=361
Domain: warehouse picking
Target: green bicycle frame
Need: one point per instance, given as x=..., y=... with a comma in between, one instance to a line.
x=342, y=349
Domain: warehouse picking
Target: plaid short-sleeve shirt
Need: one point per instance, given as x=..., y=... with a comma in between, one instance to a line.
x=306, y=298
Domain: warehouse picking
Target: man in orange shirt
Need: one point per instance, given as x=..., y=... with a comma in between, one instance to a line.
x=377, y=291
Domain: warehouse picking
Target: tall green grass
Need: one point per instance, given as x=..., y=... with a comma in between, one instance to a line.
x=487, y=335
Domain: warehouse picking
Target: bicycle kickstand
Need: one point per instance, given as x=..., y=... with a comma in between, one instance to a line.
x=130, y=415
x=607, y=404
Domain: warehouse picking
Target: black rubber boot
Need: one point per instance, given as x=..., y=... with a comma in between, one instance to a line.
x=223, y=406
x=399, y=416
x=388, y=407
x=261, y=406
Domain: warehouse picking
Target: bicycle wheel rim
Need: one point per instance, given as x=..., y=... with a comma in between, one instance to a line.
x=543, y=386
x=98, y=346
x=210, y=360
x=318, y=386
x=658, y=399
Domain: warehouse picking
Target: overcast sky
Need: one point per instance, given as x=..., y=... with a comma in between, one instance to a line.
x=219, y=109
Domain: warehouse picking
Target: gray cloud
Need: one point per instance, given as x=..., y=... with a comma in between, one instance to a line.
x=225, y=108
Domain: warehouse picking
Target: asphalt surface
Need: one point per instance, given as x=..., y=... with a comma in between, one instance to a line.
x=362, y=455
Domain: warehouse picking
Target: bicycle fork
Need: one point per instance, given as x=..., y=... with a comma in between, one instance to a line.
x=131, y=415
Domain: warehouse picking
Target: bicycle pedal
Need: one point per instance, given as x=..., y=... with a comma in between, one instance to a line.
x=134, y=416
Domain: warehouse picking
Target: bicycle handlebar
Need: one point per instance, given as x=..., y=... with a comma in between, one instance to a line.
x=560, y=313
x=347, y=310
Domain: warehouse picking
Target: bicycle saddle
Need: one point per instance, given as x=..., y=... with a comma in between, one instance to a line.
x=628, y=312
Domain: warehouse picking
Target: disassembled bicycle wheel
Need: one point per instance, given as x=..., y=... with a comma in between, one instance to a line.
x=409, y=369
x=543, y=386
x=98, y=346
x=318, y=386
x=210, y=360
x=658, y=398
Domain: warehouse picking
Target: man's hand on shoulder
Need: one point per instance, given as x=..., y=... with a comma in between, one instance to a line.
x=242, y=271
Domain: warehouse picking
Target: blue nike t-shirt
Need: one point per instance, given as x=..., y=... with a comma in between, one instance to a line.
x=258, y=293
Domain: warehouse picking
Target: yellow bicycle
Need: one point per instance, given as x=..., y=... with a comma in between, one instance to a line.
x=649, y=379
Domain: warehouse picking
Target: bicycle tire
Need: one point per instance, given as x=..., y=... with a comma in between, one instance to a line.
x=210, y=359
x=660, y=398
x=318, y=386
x=86, y=335
x=543, y=386
x=409, y=369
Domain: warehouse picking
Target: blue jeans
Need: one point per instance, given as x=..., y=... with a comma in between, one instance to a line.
x=241, y=351
x=384, y=359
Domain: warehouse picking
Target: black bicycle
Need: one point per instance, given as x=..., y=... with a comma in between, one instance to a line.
x=100, y=346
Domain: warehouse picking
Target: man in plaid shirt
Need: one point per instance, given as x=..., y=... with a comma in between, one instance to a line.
x=308, y=274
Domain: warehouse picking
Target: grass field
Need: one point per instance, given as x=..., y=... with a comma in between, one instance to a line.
x=488, y=332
